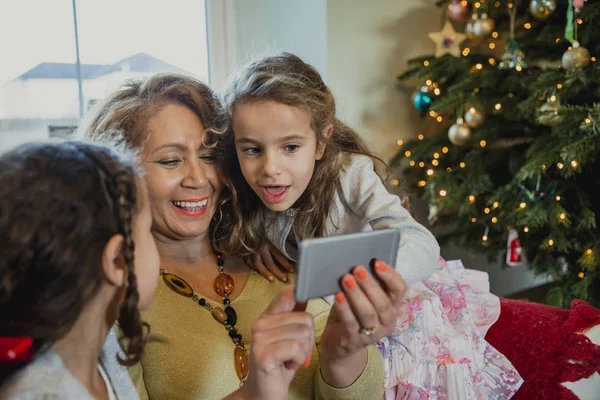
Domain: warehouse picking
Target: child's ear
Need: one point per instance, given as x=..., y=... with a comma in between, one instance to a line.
x=113, y=263
x=325, y=135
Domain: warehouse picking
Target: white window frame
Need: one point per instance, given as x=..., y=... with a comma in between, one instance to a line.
x=221, y=41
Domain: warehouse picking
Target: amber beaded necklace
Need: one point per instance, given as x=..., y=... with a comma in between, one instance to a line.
x=223, y=287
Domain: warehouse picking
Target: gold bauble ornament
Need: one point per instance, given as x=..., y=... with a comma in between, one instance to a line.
x=577, y=58
x=542, y=9
x=474, y=118
x=459, y=133
x=549, y=115
x=483, y=27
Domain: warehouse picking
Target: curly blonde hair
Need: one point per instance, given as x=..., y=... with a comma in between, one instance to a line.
x=288, y=80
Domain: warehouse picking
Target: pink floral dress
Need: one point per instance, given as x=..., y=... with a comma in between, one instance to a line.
x=438, y=350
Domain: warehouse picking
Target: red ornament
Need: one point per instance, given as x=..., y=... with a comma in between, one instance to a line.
x=578, y=4
x=514, y=249
x=459, y=10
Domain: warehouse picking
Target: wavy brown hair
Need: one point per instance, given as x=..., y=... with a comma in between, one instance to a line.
x=286, y=79
x=59, y=206
x=130, y=108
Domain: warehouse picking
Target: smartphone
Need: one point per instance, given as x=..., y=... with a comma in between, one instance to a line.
x=322, y=262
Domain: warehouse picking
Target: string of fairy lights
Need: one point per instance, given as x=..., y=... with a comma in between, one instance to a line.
x=531, y=196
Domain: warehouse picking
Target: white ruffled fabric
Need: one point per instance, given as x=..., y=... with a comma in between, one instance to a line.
x=438, y=351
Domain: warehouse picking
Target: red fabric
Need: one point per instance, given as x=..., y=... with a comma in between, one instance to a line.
x=15, y=349
x=540, y=340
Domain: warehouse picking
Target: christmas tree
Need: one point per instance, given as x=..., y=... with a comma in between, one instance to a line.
x=507, y=158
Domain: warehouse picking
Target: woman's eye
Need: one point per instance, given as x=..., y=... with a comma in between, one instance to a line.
x=291, y=147
x=208, y=158
x=169, y=163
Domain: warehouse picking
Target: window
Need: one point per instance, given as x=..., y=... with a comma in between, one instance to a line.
x=41, y=92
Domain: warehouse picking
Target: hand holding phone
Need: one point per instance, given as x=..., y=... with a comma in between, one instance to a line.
x=323, y=261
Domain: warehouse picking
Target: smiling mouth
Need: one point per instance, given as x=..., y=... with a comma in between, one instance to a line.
x=191, y=208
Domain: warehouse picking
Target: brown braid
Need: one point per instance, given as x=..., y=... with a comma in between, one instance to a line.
x=122, y=191
x=129, y=318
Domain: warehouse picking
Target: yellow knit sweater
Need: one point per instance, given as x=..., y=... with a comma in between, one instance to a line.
x=190, y=355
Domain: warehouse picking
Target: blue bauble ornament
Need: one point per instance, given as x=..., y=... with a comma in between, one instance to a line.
x=422, y=101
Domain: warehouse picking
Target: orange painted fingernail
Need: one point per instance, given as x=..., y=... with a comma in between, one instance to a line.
x=340, y=298
x=361, y=273
x=349, y=281
x=307, y=362
x=380, y=266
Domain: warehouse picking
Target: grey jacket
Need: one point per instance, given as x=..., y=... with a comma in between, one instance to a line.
x=47, y=378
x=362, y=200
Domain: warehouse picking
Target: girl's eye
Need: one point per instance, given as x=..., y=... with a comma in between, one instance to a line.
x=291, y=147
x=251, y=150
x=169, y=163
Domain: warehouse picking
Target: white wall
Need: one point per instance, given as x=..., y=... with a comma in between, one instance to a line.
x=368, y=44
x=268, y=26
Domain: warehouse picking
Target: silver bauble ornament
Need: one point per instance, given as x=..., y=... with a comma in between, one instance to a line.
x=470, y=27
x=474, y=118
x=548, y=114
x=577, y=58
x=484, y=26
x=542, y=9
x=459, y=133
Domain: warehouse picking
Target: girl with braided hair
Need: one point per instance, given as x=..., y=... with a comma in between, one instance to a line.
x=78, y=255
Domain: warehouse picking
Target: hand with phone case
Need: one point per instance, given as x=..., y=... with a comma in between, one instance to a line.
x=364, y=312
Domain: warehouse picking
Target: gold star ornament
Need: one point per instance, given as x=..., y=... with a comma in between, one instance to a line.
x=447, y=41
